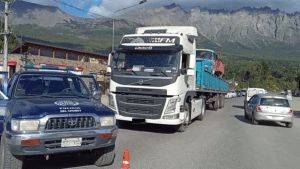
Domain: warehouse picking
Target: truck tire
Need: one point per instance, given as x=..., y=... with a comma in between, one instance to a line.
x=104, y=156
x=203, y=110
x=183, y=126
x=216, y=103
x=221, y=102
x=7, y=160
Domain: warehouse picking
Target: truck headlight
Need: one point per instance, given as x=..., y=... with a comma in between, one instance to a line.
x=25, y=125
x=108, y=121
x=171, y=106
x=111, y=101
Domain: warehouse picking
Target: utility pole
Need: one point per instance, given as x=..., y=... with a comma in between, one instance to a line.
x=6, y=33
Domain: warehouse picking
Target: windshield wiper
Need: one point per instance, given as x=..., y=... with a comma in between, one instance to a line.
x=160, y=71
x=129, y=71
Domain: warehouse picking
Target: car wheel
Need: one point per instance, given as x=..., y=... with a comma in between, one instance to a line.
x=254, y=122
x=288, y=125
x=245, y=114
x=183, y=126
x=7, y=160
x=104, y=156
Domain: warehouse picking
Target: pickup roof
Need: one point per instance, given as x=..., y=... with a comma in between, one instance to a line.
x=45, y=113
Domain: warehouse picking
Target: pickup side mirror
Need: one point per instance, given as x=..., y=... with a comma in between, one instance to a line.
x=97, y=94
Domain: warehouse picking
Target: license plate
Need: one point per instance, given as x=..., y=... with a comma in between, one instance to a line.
x=71, y=142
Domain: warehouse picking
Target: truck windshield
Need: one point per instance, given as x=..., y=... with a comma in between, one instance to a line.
x=147, y=62
x=52, y=86
x=204, y=55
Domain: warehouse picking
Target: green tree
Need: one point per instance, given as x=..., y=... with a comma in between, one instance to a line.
x=13, y=40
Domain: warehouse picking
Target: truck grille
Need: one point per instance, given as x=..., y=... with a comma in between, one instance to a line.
x=55, y=144
x=70, y=123
x=140, y=106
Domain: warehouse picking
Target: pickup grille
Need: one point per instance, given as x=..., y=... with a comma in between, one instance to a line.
x=70, y=123
x=55, y=144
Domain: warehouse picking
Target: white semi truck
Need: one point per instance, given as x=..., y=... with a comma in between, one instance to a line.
x=156, y=78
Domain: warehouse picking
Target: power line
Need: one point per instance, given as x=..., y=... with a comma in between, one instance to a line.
x=63, y=3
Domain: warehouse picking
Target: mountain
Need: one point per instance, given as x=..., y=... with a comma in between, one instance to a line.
x=259, y=31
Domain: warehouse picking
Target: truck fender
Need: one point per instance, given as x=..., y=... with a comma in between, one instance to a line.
x=187, y=98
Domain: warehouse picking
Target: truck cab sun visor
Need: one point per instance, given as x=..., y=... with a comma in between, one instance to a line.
x=173, y=48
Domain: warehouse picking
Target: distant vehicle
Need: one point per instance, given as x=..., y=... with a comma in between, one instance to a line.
x=269, y=107
x=251, y=92
x=233, y=93
x=243, y=92
x=289, y=95
x=238, y=93
x=266, y=92
x=228, y=95
x=297, y=93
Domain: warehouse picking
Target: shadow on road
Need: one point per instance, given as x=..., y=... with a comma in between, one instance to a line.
x=236, y=106
x=242, y=119
x=262, y=123
x=58, y=162
x=163, y=129
x=297, y=114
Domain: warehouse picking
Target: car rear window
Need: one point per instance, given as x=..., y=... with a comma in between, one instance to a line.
x=274, y=102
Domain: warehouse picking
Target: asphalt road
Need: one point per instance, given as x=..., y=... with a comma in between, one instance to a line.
x=224, y=139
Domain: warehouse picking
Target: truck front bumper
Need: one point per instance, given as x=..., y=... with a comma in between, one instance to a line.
x=175, y=120
x=50, y=141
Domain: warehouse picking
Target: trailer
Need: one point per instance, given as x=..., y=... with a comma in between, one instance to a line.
x=156, y=78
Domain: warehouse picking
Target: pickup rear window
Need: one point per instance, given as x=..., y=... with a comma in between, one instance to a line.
x=274, y=102
x=47, y=85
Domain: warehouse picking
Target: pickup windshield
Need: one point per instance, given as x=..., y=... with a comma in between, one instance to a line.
x=166, y=62
x=50, y=86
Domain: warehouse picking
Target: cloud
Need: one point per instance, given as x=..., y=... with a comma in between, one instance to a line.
x=44, y=2
x=108, y=7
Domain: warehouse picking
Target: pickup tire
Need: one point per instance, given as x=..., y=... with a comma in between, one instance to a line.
x=104, y=156
x=183, y=126
x=203, y=110
x=7, y=160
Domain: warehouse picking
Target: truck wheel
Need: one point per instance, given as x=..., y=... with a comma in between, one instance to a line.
x=104, y=156
x=221, y=101
x=203, y=110
x=7, y=160
x=216, y=103
x=183, y=126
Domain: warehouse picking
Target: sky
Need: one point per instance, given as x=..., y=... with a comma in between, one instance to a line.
x=108, y=7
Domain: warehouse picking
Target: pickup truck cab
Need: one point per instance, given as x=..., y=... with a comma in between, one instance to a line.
x=45, y=113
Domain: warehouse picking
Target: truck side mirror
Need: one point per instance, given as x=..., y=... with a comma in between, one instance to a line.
x=190, y=72
x=108, y=69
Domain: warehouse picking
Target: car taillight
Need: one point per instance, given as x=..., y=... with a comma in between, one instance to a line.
x=258, y=108
x=291, y=110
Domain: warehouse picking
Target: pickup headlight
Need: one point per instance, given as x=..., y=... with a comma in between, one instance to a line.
x=111, y=102
x=25, y=125
x=171, y=106
x=108, y=121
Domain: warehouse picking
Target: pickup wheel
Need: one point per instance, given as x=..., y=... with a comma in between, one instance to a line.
x=7, y=160
x=186, y=120
x=203, y=110
x=104, y=156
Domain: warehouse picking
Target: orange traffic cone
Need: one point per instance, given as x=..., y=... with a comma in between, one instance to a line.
x=126, y=159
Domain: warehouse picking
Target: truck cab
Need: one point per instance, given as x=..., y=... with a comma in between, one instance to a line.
x=209, y=58
x=48, y=112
